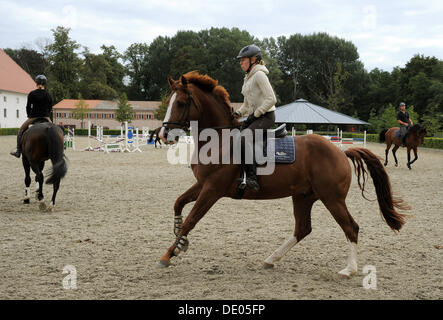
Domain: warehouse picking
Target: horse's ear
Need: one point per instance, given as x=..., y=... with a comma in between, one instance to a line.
x=171, y=81
x=184, y=81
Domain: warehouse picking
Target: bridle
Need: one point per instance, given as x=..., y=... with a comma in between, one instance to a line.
x=184, y=123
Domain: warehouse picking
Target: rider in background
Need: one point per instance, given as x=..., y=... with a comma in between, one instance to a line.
x=39, y=105
x=259, y=102
x=404, y=121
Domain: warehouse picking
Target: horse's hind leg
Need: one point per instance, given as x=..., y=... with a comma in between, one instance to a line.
x=341, y=214
x=54, y=194
x=27, y=168
x=394, y=150
x=302, y=212
x=39, y=178
x=388, y=146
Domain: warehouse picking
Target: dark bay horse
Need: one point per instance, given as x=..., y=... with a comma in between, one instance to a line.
x=321, y=172
x=158, y=136
x=43, y=141
x=415, y=136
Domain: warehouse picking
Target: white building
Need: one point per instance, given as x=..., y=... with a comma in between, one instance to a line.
x=15, y=84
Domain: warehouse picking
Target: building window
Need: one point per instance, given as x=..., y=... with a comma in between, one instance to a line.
x=96, y=115
x=112, y=116
x=18, y=114
x=4, y=98
x=5, y=114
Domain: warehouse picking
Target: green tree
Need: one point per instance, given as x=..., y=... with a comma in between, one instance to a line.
x=63, y=65
x=33, y=62
x=320, y=68
x=433, y=120
x=81, y=110
x=136, y=66
x=95, y=73
x=125, y=112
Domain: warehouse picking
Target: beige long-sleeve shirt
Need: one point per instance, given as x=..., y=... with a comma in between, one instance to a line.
x=259, y=97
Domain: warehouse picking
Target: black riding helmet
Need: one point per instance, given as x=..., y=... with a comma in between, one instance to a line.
x=41, y=80
x=250, y=51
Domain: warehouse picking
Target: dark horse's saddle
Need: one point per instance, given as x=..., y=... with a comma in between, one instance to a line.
x=40, y=120
x=284, y=146
x=402, y=133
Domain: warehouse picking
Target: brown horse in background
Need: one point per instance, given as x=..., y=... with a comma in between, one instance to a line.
x=321, y=172
x=414, y=137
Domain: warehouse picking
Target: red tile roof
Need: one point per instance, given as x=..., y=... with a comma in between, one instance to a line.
x=12, y=77
x=71, y=104
x=108, y=105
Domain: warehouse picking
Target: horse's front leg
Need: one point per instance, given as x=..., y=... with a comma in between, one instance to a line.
x=415, y=157
x=206, y=199
x=190, y=195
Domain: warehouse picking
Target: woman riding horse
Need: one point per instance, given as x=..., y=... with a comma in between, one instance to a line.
x=259, y=104
x=39, y=105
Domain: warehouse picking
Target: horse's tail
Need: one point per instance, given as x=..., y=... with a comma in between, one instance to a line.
x=56, y=154
x=386, y=201
x=382, y=137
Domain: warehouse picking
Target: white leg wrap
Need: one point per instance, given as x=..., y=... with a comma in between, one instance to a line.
x=27, y=193
x=351, y=268
x=280, y=252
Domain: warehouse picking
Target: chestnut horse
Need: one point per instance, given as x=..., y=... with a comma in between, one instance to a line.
x=41, y=142
x=414, y=137
x=321, y=172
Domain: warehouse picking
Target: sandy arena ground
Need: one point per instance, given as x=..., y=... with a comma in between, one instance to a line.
x=114, y=220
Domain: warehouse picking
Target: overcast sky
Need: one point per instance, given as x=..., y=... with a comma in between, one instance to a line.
x=386, y=33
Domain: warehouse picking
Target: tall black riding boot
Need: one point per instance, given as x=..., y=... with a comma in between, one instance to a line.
x=251, y=177
x=18, y=151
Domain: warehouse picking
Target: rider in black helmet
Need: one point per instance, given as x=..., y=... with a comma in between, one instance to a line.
x=39, y=105
x=259, y=103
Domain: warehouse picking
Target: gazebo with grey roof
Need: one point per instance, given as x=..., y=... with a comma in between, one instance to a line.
x=304, y=112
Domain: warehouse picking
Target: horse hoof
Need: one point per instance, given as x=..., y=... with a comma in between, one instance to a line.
x=163, y=263
x=346, y=274
x=396, y=164
x=26, y=201
x=50, y=209
x=268, y=265
x=42, y=206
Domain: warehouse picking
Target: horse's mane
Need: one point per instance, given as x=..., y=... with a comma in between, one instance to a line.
x=206, y=83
